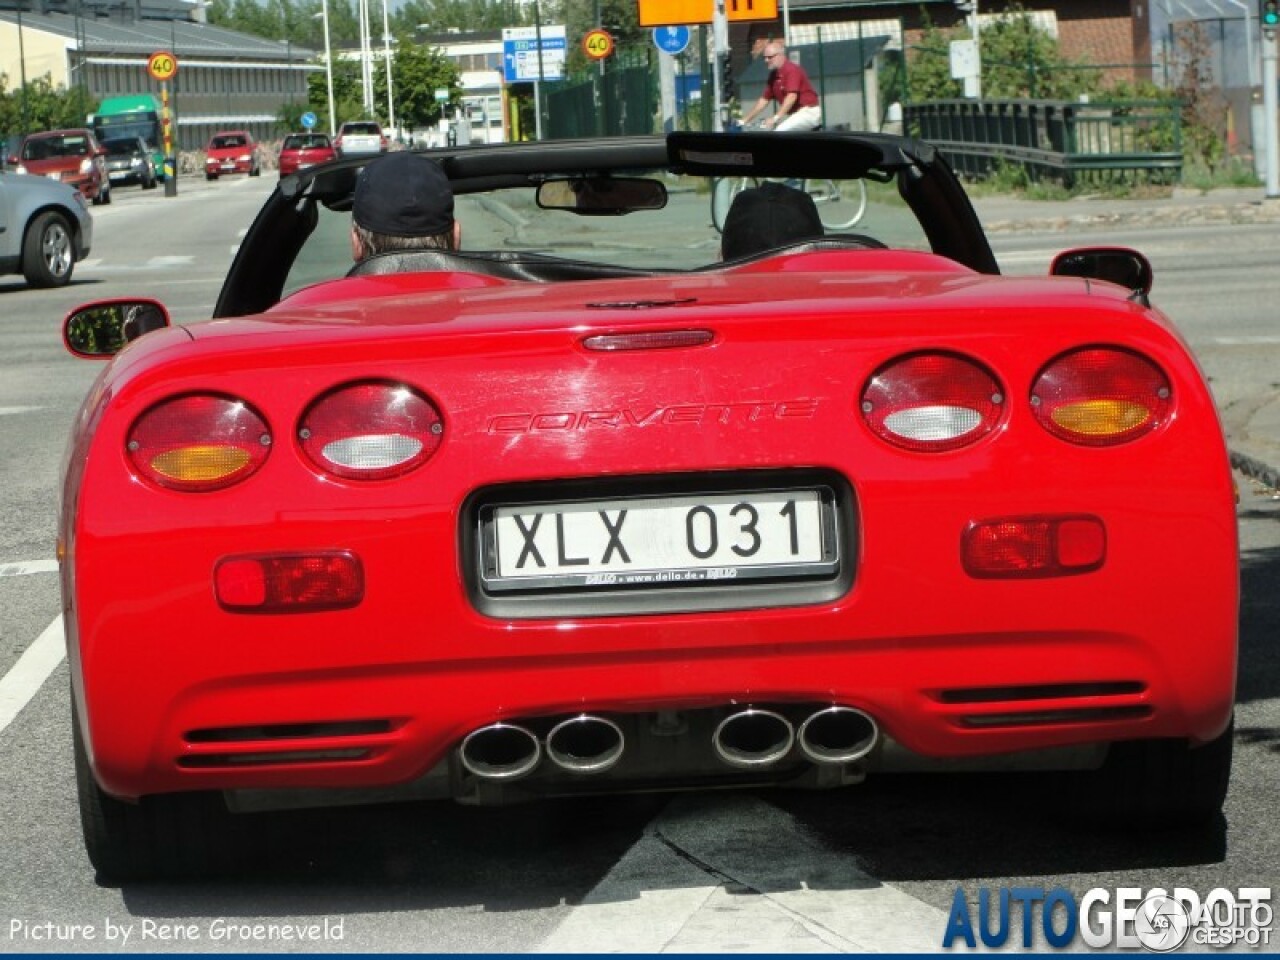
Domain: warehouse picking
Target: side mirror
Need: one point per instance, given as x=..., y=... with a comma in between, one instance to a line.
x=102, y=328
x=602, y=196
x=1120, y=265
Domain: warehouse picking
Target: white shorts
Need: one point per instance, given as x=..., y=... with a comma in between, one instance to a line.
x=806, y=118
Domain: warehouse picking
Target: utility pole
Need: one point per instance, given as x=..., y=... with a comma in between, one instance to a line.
x=720, y=48
x=1270, y=19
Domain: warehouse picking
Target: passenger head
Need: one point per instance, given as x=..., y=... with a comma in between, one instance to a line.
x=768, y=216
x=402, y=201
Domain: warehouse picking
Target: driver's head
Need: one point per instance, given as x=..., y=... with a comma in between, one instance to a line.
x=768, y=216
x=402, y=201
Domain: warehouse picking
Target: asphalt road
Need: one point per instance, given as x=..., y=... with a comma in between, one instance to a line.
x=872, y=868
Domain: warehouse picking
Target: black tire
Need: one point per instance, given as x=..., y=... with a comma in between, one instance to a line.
x=49, y=251
x=256, y=171
x=105, y=195
x=211, y=176
x=1160, y=784
x=149, y=183
x=169, y=836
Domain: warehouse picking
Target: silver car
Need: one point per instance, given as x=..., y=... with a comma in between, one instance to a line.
x=45, y=228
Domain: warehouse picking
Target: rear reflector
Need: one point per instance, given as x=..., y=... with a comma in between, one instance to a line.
x=199, y=442
x=1101, y=396
x=370, y=431
x=289, y=583
x=932, y=402
x=1043, y=546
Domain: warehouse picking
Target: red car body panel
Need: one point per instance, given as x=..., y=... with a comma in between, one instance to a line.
x=236, y=157
x=168, y=682
x=293, y=159
x=82, y=167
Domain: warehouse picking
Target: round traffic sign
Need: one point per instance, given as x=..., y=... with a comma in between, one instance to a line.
x=162, y=65
x=308, y=119
x=597, y=44
x=671, y=40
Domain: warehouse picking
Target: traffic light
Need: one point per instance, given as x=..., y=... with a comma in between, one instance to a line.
x=729, y=90
x=1269, y=14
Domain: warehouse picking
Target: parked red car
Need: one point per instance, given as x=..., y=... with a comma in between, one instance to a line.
x=302, y=150
x=231, y=151
x=70, y=156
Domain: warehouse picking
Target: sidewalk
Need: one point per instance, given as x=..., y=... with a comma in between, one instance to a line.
x=1251, y=421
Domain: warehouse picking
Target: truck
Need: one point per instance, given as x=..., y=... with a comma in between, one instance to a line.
x=136, y=115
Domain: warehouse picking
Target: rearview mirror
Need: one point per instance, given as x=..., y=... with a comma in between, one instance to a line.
x=1120, y=265
x=102, y=328
x=602, y=196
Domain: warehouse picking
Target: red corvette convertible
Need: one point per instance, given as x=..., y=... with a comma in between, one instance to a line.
x=584, y=507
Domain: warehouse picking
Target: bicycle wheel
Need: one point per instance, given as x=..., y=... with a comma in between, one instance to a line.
x=841, y=203
x=723, y=190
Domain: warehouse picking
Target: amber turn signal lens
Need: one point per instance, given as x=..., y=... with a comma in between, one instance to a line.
x=1101, y=396
x=199, y=442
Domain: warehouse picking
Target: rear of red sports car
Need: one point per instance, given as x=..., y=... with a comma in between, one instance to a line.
x=792, y=522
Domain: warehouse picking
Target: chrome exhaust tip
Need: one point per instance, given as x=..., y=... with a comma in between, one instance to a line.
x=585, y=744
x=500, y=751
x=753, y=738
x=838, y=735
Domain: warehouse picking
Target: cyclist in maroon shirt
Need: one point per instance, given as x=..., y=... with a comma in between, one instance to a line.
x=788, y=86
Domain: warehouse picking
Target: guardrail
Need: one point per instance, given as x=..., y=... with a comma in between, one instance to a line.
x=1064, y=140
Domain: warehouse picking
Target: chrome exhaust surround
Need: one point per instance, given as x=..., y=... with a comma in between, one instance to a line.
x=500, y=751
x=838, y=735
x=753, y=738
x=585, y=744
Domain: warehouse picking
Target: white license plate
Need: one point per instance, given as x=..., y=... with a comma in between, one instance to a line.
x=54, y=176
x=662, y=541
x=118, y=174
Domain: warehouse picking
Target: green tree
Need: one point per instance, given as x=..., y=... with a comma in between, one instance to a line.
x=1019, y=60
x=42, y=106
x=417, y=73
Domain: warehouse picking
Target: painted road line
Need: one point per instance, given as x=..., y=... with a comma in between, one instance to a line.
x=24, y=567
x=28, y=675
x=726, y=874
x=1260, y=340
x=8, y=410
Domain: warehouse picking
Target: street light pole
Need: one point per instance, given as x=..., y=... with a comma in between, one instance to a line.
x=328, y=68
x=386, y=49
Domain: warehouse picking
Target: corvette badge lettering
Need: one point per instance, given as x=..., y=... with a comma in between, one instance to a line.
x=701, y=414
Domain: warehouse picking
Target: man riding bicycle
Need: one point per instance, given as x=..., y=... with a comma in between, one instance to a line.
x=788, y=86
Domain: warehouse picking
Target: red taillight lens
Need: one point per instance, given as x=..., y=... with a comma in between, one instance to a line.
x=1101, y=396
x=371, y=431
x=198, y=443
x=932, y=402
x=1033, y=547
x=289, y=583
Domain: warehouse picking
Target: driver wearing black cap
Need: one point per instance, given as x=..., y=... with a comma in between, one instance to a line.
x=402, y=201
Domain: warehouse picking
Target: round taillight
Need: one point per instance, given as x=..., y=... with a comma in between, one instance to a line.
x=932, y=402
x=370, y=431
x=1101, y=396
x=199, y=442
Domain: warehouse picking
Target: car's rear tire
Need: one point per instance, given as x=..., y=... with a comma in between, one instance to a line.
x=211, y=176
x=1160, y=784
x=166, y=836
x=49, y=251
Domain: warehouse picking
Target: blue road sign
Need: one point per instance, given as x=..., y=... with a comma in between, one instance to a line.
x=520, y=59
x=671, y=40
x=308, y=119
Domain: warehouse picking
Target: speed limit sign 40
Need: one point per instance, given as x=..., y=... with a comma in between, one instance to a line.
x=597, y=44
x=162, y=65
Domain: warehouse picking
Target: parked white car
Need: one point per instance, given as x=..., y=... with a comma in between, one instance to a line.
x=45, y=228
x=360, y=137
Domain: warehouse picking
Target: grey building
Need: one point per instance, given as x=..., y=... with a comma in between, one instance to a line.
x=225, y=79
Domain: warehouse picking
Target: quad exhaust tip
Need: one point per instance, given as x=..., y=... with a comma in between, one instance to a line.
x=585, y=744
x=838, y=735
x=753, y=738
x=500, y=751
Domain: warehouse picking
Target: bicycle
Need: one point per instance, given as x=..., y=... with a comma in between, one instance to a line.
x=841, y=203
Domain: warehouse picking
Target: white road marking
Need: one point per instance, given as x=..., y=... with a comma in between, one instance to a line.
x=27, y=676
x=728, y=874
x=9, y=410
x=1245, y=341
x=20, y=568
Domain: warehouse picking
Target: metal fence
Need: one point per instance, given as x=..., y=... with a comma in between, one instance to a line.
x=617, y=102
x=1062, y=140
